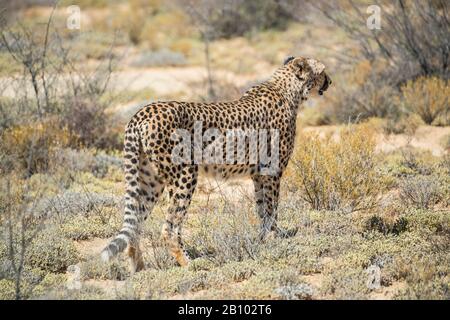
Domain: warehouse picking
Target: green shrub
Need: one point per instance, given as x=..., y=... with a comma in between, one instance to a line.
x=67, y=204
x=291, y=252
x=30, y=278
x=274, y=283
x=201, y=264
x=346, y=284
x=377, y=223
x=51, y=251
x=239, y=271
x=87, y=292
x=157, y=284
x=7, y=289
x=420, y=191
x=409, y=162
x=428, y=222
x=302, y=291
x=426, y=276
x=82, y=228
x=49, y=283
x=429, y=290
x=224, y=233
x=96, y=269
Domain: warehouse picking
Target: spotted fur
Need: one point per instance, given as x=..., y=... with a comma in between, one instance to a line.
x=149, y=168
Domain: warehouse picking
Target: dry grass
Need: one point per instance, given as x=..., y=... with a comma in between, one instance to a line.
x=338, y=174
x=428, y=97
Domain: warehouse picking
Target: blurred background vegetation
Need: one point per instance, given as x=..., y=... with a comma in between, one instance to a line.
x=373, y=152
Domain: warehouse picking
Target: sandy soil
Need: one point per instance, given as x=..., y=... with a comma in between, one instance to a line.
x=428, y=138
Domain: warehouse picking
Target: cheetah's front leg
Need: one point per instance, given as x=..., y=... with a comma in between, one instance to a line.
x=267, y=192
x=266, y=196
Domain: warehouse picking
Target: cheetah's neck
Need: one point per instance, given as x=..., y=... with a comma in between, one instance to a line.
x=289, y=87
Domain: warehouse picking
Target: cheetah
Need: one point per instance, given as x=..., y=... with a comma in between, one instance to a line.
x=150, y=167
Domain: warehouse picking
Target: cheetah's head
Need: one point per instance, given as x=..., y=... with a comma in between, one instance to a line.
x=310, y=72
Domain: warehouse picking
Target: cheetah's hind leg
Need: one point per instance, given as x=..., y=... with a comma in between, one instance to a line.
x=180, y=191
x=151, y=187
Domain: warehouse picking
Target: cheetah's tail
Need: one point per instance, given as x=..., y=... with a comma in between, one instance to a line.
x=130, y=228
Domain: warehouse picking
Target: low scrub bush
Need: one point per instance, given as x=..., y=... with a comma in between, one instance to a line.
x=157, y=255
x=414, y=162
x=377, y=223
x=225, y=235
x=69, y=203
x=9, y=112
x=86, y=119
x=348, y=284
x=338, y=173
x=405, y=124
x=429, y=222
x=97, y=162
x=51, y=251
x=420, y=191
x=274, y=283
x=97, y=269
x=239, y=271
x=157, y=284
x=84, y=228
x=302, y=291
x=237, y=18
x=51, y=282
x=369, y=95
x=427, y=97
x=291, y=252
x=29, y=147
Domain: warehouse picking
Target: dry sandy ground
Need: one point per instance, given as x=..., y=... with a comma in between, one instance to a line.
x=162, y=81
x=427, y=138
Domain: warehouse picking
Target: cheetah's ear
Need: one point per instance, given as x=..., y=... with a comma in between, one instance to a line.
x=288, y=59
